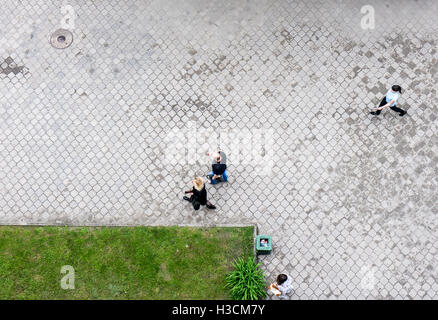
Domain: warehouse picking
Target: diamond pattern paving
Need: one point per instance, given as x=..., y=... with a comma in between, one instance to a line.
x=111, y=130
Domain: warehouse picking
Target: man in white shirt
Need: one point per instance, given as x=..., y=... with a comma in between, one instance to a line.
x=390, y=100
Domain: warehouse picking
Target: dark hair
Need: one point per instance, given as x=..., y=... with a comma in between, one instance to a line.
x=281, y=278
x=396, y=88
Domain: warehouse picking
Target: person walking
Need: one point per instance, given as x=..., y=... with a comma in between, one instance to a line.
x=198, y=195
x=219, y=168
x=390, y=100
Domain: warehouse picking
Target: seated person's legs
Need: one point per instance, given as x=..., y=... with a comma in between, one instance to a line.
x=212, y=181
x=225, y=176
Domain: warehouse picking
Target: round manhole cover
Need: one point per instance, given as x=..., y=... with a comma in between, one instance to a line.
x=61, y=39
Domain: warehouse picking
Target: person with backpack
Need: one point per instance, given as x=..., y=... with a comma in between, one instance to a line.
x=390, y=100
x=198, y=195
x=219, y=168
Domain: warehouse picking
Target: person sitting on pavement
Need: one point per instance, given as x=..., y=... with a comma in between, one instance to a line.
x=219, y=168
x=284, y=285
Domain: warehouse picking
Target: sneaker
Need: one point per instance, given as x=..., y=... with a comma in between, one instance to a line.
x=402, y=114
x=186, y=198
x=373, y=113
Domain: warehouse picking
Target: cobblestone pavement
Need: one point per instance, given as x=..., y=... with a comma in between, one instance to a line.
x=87, y=133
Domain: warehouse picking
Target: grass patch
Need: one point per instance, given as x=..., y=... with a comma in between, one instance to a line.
x=120, y=262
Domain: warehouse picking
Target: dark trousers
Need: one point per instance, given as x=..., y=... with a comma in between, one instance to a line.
x=197, y=203
x=401, y=111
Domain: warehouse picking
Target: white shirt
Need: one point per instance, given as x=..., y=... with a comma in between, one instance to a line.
x=286, y=286
x=391, y=95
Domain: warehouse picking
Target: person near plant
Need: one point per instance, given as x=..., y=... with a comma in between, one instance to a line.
x=218, y=168
x=198, y=195
x=283, y=286
x=390, y=100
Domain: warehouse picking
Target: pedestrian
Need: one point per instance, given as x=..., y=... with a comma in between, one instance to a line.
x=218, y=168
x=390, y=100
x=283, y=286
x=198, y=195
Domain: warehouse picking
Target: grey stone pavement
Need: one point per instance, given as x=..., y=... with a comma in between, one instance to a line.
x=111, y=130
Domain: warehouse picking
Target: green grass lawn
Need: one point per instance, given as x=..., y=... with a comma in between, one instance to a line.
x=120, y=262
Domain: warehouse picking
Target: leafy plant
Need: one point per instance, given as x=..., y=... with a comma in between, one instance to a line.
x=247, y=281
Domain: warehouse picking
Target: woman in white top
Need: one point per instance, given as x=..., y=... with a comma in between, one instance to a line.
x=390, y=100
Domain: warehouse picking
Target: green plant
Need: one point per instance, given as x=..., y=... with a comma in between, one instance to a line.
x=247, y=281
